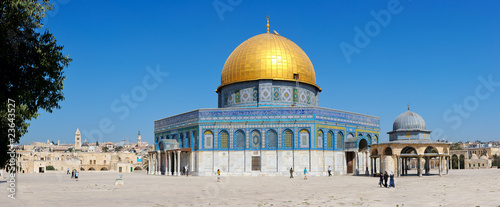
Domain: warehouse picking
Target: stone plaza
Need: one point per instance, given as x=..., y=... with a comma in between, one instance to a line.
x=466, y=187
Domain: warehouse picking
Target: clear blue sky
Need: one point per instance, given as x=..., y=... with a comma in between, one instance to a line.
x=430, y=55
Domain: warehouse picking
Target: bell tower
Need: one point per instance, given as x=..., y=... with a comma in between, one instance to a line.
x=139, y=139
x=78, y=140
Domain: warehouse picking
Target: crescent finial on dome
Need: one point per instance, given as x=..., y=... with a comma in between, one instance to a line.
x=267, y=23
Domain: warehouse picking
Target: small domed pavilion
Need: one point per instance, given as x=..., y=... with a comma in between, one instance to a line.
x=410, y=147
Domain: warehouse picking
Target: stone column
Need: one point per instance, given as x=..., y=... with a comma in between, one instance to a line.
x=419, y=166
x=191, y=156
x=167, y=168
x=449, y=161
x=152, y=169
x=371, y=165
x=451, y=165
x=174, y=163
x=159, y=163
x=403, y=165
x=425, y=165
x=440, y=165
x=178, y=162
x=149, y=164
x=156, y=163
x=356, y=167
x=399, y=165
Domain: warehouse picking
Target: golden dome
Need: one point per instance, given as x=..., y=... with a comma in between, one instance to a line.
x=267, y=56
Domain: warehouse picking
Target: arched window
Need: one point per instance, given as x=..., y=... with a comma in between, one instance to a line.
x=272, y=139
x=255, y=139
x=196, y=141
x=340, y=140
x=329, y=140
x=240, y=139
x=209, y=136
x=174, y=136
x=288, y=138
x=188, y=139
x=375, y=139
x=320, y=139
x=369, y=137
x=181, y=141
x=304, y=138
x=224, y=139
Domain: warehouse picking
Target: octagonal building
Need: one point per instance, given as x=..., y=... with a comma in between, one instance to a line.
x=268, y=120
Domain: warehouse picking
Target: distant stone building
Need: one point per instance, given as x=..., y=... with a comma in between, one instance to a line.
x=37, y=162
x=473, y=158
x=36, y=157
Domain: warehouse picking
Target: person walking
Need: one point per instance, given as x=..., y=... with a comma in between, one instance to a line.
x=329, y=171
x=218, y=175
x=305, y=173
x=67, y=173
x=76, y=175
x=381, y=182
x=73, y=173
x=391, y=183
x=187, y=173
x=291, y=172
x=386, y=176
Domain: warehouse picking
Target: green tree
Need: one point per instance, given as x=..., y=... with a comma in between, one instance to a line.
x=496, y=160
x=455, y=146
x=50, y=167
x=145, y=162
x=119, y=148
x=32, y=66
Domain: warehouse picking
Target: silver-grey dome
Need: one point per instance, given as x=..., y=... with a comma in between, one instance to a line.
x=408, y=120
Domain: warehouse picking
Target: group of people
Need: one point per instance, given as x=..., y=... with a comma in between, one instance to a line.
x=383, y=180
x=305, y=172
x=383, y=177
x=185, y=171
x=74, y=174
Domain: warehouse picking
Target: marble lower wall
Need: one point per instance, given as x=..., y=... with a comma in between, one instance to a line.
x=273, y=162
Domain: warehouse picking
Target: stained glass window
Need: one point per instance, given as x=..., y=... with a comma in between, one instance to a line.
x=329, y=141
x=240, y=139
x=224, y=139
x=288, y=138
x=272, y=138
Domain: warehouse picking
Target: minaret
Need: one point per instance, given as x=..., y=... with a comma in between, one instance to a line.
x=78, y=140
x=139, y=139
